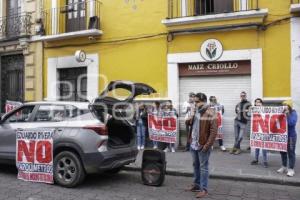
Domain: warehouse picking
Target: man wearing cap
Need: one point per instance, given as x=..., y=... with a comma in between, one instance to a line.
x=292, y=140
x=202, y=136
x=187, y=109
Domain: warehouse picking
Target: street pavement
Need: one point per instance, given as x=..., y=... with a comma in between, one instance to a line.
x=227, y=166
x=127, y=186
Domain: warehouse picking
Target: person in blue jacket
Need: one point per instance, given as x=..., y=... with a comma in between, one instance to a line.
x=290, y=155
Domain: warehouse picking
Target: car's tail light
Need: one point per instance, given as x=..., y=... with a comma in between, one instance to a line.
x=99, y=129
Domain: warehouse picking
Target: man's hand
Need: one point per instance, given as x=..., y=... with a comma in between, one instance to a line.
x=205, y=148
x=286, y=110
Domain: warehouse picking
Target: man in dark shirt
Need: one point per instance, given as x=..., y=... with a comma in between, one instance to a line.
x=240, y=122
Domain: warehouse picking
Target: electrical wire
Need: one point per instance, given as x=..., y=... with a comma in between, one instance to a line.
x=278, y=21
x=112, y=41
x=117, y=41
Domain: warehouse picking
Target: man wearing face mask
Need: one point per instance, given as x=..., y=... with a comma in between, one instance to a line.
x=202, y=136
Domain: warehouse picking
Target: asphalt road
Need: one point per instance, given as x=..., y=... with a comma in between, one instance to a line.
x=128, y=186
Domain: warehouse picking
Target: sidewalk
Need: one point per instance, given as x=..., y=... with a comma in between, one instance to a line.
x=226, y=166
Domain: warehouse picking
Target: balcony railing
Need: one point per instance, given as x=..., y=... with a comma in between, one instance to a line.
x=15, y=26
x=186, y=8
x=73, y=17
x=295, y=1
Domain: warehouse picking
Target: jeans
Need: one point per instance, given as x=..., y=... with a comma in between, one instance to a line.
x=200, y=164
x=290, y=154
x=141, y=132
x=187, y=128
x=239, y=130
x=264, y=153
x=220, y=142
x=171, y=145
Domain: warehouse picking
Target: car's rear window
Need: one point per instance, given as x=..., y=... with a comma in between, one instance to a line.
x=84, y=112
x=84, y=117
x=73, y=111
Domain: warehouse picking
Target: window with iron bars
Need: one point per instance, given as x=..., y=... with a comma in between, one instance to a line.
x=185, y=8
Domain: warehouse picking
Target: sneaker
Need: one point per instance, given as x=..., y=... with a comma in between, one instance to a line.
x=166, y=150
x=254, y=162
x=202, y=194
x=212, y=147
x=155, y=147
x=290, y=172
x=282, y=170
x=192, y=188
x=232, y=151
x=173, y=150
x=222, y=148
x=265, y=164
x=138, y=147
x=142, y=147
x=237, y=152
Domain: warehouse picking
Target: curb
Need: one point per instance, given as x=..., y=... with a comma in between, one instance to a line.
x=227, y=177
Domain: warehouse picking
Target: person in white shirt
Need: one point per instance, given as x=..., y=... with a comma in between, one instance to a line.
x=187, y=109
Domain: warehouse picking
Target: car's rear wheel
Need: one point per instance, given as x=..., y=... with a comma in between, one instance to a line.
x=68, y=170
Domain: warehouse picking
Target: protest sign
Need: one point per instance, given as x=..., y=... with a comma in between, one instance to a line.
x=220, y=125
x=162, y=127
x=34, y=155
x=269, y=128
x=10, y=105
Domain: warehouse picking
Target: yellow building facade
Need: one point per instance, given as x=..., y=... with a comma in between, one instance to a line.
x=158, y=41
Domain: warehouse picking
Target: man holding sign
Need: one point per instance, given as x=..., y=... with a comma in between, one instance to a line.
x=292, y=140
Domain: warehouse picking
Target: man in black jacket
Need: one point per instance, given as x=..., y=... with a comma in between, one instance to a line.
x=240, y=122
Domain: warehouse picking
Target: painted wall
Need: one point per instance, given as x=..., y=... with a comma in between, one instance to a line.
x=145, y=59
x=275, y=42
x=141, y=60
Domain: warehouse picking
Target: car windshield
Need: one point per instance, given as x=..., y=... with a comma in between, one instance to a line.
x=21, y=115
